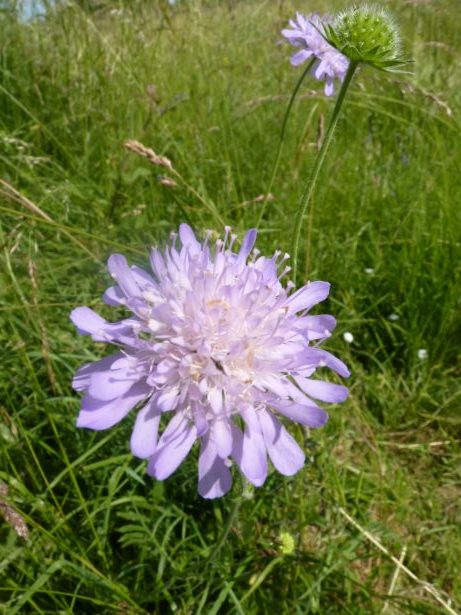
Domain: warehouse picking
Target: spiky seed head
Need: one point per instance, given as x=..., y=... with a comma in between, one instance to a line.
x=367, y=34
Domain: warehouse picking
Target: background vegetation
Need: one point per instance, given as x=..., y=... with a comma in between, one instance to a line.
x=206, y=84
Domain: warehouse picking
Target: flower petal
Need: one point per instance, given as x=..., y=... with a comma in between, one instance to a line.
x=311, y=416
x=188, y=239
x=113, y=383
x=167, y=399
x=157, y=263
x=97, y=414
x=247, y=246
x=329, y=87
x=300, y=57
x=214, y=476
x=320, y=70
x=307, y=296
x=316, y=327
x=114, y=296
x=87, y=321
x=122, y=274
x=82, y=377
x=222, y=435
x=215, y=399
x=280, y=386
x=145, y=431
x=173, y=446
x=325, y=391
x=319, y=358
x=283, y=449
x=249, y=450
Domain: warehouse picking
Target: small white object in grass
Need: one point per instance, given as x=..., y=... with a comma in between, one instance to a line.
x=348, y=337
x=393, y=316
x=422, y=354
x=369, y=270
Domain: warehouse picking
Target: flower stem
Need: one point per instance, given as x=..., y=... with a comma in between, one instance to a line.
x=275, y=166
x=311, y=184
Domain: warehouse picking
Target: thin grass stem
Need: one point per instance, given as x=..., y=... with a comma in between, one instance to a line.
x=227, y=528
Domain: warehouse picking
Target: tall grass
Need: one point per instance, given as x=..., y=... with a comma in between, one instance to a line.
x=206, y=85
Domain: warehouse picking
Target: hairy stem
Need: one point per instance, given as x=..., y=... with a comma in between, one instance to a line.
x=312, y=182
x=276, y=163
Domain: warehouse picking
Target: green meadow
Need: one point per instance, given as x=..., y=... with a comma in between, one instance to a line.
x=372, y=523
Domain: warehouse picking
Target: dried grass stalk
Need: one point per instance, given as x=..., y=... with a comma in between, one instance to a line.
x=146, y=152
x=11, y=516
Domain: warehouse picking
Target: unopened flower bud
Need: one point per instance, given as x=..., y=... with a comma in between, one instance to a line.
x=287, y=543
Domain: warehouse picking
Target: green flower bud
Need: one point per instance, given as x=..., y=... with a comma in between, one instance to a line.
x=366, y=34
x=287, y=543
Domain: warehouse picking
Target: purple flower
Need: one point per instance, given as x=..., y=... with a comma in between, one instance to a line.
x=330, y=64
x=217, y=346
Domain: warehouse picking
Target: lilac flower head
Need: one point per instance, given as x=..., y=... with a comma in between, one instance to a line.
x=216, y=349
x=330, y=63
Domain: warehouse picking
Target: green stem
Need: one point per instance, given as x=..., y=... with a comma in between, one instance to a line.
x=311, y=184
x=275, y=166
x=227, y=528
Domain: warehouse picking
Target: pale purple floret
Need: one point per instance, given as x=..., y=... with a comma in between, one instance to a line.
x=217, y=346
x=330, y=64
